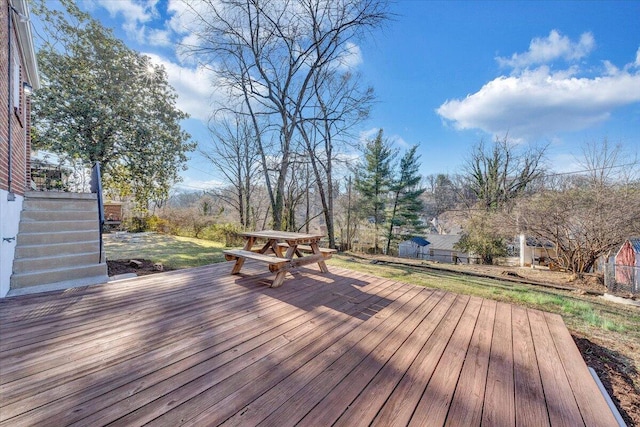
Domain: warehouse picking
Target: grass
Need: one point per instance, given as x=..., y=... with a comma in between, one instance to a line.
x=172, y=251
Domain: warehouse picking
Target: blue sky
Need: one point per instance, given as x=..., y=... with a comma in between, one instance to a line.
x=447, y=74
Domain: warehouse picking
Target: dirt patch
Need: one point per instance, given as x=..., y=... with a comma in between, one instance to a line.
x=123, y=266
x=616, y=374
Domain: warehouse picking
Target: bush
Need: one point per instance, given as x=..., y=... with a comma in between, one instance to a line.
x=137, y=224
x=227, y=233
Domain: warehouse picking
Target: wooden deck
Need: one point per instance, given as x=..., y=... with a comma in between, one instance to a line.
x=202, y=347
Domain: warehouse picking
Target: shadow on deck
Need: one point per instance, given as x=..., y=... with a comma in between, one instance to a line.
x=202, y=347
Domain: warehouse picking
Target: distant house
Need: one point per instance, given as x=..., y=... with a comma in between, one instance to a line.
x=628, y=263
x=412, y=248
x=441, y=248
x=438, y=247
x=536, y=251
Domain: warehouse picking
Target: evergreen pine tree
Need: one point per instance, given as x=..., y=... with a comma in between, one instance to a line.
x=406, y=204
x=373, y=181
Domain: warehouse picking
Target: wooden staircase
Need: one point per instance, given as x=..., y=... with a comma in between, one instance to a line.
x=58, y=243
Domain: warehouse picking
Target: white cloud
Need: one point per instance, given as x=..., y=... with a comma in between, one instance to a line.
x=538, y=103
x=367, y=135
x=548, y=49
x=637, y=63
x=135, y=16
x=190, y=184
x=563, y=163
x=196, y=87
x=398, y=141
x=370, y=134
x=351, y=57
x=131, y=11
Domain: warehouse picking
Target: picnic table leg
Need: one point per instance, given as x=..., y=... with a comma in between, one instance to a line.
x=276, y=249
x=321, y=264
x=277, y=282
x=238, y=265
x=240, y=261
x=249, y=243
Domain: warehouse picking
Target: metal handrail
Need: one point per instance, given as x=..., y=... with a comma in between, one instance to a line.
x=96, y=187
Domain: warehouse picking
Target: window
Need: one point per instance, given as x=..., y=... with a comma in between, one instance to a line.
x=16, y=87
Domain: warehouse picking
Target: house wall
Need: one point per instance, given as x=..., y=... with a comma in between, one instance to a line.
x=530, y=255
x=446, y=256
x=626, y=266
x=408, y=249
x=626, y=255
x=9, y=221
x=13, y=181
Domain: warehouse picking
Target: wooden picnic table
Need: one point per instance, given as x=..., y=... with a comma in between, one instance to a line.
x=278, y=252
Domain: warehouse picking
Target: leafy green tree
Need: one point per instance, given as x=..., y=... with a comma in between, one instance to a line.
x=103, y=102
x=483, y=236
x=374, y=180
x=406, y=204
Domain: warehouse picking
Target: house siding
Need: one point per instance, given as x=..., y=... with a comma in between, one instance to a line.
x=18, y=177
x=14, y=181
x=4, y=94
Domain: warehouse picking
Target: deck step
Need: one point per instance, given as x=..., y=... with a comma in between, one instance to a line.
x=38, y=201
x=55, y=275
x=58, y=241
x=52, y=249
x=45, y=263
x=59, y=215
x=57, y=226
x=59, y=237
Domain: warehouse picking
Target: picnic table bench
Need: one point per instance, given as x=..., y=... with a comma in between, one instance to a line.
x=278, y=252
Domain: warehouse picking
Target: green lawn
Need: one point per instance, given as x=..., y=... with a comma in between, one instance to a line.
x=172, y=251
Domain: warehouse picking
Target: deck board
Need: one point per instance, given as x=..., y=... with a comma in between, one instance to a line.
x=466, y=407
x=203, y=347
x=499, y=396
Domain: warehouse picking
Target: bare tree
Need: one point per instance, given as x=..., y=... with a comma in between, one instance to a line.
x=337, y=104
x=234, y=155
x=441, y=193
x=502, y=173
x=586, y=216
x=496, y=178
x=269, y=53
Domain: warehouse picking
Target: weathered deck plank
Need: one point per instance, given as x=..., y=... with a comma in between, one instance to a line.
x=466, y=407
x=531, y=409
x=203, y=347
x=594, y=411
x=499, y=397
